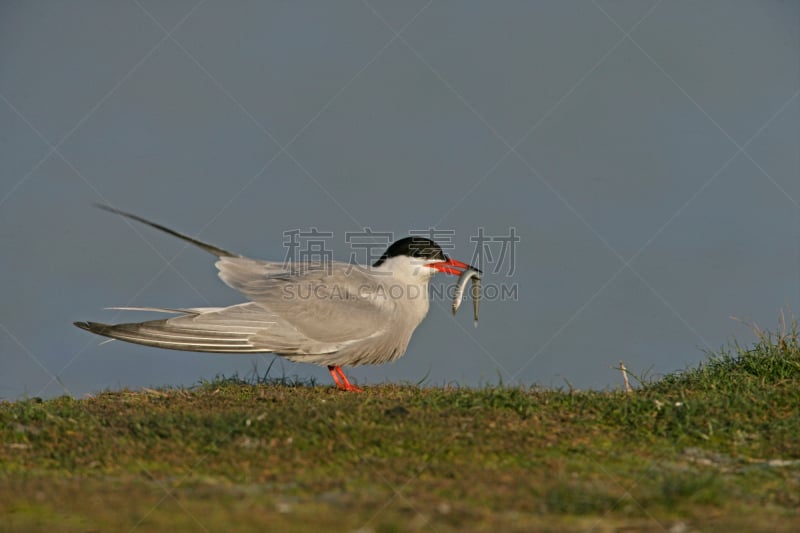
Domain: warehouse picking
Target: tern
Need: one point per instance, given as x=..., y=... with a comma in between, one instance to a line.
x=335, y=314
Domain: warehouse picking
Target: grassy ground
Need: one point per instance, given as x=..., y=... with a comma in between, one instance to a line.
x=712, y=448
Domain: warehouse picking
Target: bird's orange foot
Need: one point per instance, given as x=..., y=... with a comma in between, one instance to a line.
x=342, y=383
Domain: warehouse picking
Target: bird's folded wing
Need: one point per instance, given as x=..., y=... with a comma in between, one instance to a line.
x=243, y=328
x=336, y=303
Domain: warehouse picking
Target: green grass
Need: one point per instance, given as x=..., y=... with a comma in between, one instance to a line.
x=710, y=448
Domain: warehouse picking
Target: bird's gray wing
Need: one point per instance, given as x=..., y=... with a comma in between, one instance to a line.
x=243, y=328
x=336, y=303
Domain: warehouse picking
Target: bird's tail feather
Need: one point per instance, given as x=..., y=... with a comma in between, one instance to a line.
x=168, y=310
x=210, y=248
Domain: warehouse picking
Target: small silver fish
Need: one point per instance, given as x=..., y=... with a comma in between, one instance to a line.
x=476, y=297
x=475, y=275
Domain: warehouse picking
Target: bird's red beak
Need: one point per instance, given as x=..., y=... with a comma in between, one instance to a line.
x=450, y=266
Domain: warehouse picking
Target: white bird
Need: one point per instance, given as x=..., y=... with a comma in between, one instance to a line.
x=332, y=314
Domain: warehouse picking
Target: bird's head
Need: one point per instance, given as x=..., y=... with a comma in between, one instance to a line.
x=419, y=256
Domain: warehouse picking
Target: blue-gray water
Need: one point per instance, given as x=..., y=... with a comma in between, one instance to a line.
x=645, y=153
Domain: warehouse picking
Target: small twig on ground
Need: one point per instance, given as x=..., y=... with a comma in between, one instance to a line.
x=624, y=371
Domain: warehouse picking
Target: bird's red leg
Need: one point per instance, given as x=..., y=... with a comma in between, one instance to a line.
x=335, y=376
x=341, y=380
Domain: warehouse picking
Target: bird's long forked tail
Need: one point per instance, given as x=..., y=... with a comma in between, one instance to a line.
x=210, y=248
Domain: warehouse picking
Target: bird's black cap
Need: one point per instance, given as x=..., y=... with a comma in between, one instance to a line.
x=414, y=246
